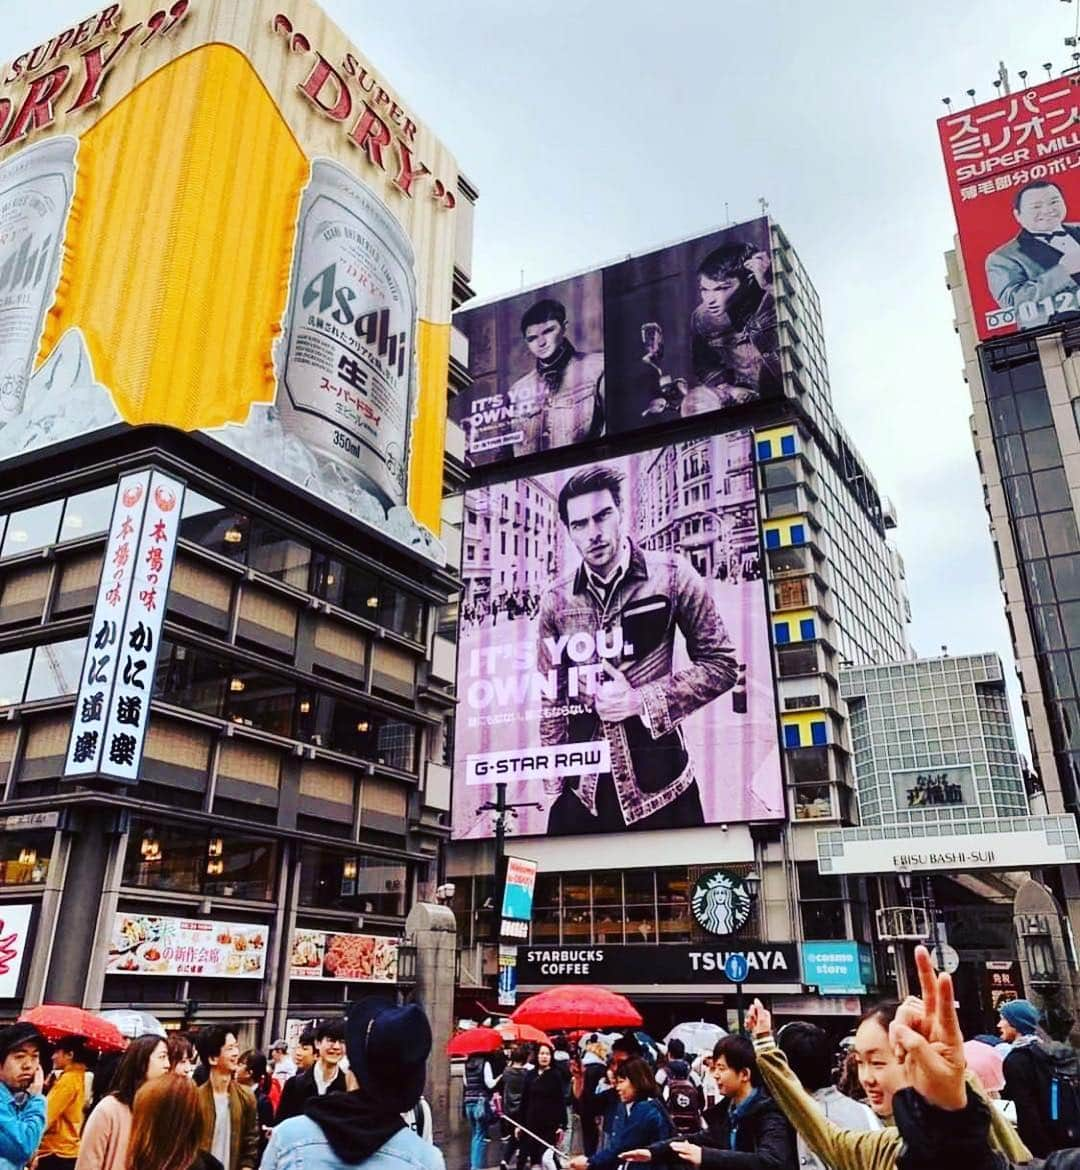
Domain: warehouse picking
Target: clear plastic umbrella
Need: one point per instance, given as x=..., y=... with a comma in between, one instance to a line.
x=133, y=1024
x=698, y=1036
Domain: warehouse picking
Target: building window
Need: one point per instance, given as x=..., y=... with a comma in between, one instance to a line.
x=55, y=670
x=32, y=528
x=812, y=802
x=339, y=879
x=24, y=858
x=764, y=449
x=781, y=633
x=807, y=630
x=821, y=899
x=194, y=860
x=798, y=534
x=772, y=538
x=792, y=735
x=796, y=660
x=88, y=513
x=787, y=445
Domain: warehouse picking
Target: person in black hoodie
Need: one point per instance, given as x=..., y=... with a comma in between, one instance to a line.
x=388, y=1047
x=324, y=1076
x=744, y=1131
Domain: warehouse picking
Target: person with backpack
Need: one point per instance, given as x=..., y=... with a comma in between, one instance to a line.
x=481, y=1081
x=1042, y=1078
x=513, y=1097
x=746, y=1130
x=680, y=1090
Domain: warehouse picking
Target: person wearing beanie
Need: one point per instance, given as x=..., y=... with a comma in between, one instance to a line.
x=22, y=1107
x=387, y=1047
x=1028, y=1074
x=1019, y=1017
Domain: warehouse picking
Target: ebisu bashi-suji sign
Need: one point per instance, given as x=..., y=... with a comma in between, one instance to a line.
x=270, y=265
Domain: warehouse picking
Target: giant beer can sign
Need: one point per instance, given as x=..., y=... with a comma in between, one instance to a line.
x=348, y=376
x=35, y=192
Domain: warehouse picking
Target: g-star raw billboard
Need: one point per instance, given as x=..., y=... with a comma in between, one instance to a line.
x=687, y=329
x=1014, y=174
x=268, y=262
x=614, y=664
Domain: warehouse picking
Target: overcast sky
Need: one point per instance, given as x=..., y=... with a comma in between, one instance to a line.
x=605, y=127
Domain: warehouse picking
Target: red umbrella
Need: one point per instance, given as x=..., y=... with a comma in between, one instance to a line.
x=474, y=1040
x=522, y=1033
x=577, y=1007
x=57, y=1020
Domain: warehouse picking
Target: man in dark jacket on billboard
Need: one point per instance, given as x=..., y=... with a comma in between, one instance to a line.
x=606, y=638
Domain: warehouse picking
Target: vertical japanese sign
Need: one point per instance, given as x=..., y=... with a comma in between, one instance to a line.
x=507, y=976
x=1014, y=176
x=100, y=662
x=125, y=731
x=113, y=704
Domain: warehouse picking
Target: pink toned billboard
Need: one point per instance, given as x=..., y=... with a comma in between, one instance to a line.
x=614, y=668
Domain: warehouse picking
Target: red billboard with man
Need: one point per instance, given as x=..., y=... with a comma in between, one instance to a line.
x=1014, y=175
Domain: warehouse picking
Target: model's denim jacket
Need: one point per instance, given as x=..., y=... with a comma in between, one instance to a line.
x=659, y=594
x=299, y=1144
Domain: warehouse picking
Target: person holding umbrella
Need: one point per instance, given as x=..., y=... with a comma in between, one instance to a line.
x=22, y=1107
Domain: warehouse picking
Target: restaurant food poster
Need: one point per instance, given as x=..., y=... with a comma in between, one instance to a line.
x=358, y=958
x=144, y=944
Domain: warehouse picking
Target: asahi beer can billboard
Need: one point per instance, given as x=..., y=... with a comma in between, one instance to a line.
x=349, y=367
x=271, y=265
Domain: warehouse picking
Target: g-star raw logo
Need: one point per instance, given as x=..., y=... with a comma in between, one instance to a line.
x=720, y=902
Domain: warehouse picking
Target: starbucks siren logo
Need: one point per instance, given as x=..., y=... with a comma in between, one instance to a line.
x=720, y=902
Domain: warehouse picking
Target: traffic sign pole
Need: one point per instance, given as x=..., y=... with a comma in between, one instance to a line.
x=739, y=1007
x=736, y=969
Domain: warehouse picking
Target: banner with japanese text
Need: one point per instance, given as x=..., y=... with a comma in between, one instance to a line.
x=1014, y=175
x=145, y=944
x=113, y=704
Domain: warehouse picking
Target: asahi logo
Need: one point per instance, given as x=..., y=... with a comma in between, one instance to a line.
x=720, y=902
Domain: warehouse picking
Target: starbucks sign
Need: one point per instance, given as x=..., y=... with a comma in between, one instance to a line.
x=720, y=902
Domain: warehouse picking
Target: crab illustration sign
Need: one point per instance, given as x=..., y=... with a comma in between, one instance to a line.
x=720, y=902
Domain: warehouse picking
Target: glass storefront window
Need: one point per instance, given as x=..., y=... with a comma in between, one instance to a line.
x=277, y=555
x=24, y=857
x=55, y=670
x=13, y=667
x=336, y=879
x=188, y=678
x=32, y=528
x=215, y=527
x=194, y=860
x=88, y=513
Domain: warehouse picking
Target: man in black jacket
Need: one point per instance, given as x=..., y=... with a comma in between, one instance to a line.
x=744, y=1131
x=324, y=1076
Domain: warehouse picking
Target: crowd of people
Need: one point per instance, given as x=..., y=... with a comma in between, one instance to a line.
x=904, y=1091
x=350, y=1088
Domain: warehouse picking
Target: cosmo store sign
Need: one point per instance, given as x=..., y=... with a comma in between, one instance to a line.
x=1050, y=841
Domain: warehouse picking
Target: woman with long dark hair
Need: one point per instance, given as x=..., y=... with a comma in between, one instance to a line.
x=105, y=1135
x=543, y=1105
x=167, y=1127
x=251, y=1072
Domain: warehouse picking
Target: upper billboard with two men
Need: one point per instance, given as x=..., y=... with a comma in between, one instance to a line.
x=684, y=330
x=1014, y=175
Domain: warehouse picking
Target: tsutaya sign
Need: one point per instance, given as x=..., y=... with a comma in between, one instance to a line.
x=1051, y=840
x=189, y=131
